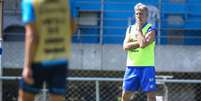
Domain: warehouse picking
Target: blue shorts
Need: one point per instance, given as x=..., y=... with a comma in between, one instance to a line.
x=53, y=75
x=139, y=79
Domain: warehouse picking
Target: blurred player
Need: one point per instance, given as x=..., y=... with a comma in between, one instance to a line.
x=140, y=44
x=48, y=28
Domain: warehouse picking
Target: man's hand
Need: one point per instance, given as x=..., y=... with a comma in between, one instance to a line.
x=27, y=75
x=139, y=24
x=139, y=35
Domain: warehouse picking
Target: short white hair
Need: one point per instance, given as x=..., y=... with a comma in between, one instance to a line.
x=141, y=7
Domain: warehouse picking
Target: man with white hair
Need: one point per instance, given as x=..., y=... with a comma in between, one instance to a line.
x=140, y=44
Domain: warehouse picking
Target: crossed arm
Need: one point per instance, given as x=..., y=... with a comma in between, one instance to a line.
x=141, y=42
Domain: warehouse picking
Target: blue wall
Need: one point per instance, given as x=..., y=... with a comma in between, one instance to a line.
x=190, y=29
x=117, y=12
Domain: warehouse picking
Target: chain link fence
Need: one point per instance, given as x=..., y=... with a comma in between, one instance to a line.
x=109, y=89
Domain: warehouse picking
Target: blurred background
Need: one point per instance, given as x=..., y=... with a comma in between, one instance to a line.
x=98, y=60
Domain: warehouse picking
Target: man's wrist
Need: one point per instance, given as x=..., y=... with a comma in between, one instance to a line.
x=27, y=65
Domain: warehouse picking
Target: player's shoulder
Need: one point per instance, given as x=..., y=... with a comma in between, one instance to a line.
x=27, y=4
x=152, y=26
x=27, y=1
x=131, y=26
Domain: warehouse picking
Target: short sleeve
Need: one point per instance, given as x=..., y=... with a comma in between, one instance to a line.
x=28, y=14
x=152, y=28
x=73, y=8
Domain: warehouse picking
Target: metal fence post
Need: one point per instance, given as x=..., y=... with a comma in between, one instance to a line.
x=159, y=23
x=166, y=92
x=1, y=73
x=44, y=92
x=1, y=27
x=97, y=91
x=101, y=22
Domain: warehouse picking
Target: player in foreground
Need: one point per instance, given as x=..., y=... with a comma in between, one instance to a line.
x=48, y=28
